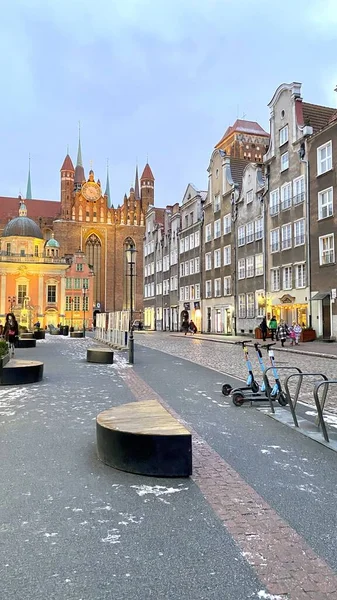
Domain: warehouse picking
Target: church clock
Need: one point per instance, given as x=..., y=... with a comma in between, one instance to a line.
x=91, y=191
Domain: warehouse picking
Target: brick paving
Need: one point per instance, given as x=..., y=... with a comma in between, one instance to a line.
x=282, y=559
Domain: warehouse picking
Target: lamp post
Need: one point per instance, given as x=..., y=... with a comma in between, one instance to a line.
x=84, y=292
x=71, y=302
x=130, y=251
x=11, y=301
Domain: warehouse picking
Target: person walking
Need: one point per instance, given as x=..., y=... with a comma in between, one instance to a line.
x=11, y=331
x=297, y=331
x=282, y=332
x=264, y=328
x=192, y=327
x=185, y=326
x=273, y=327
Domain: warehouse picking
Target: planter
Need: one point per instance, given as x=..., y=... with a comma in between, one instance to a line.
x=4, y=359
x=258, y=334
x=39, y=335
x=308, y=335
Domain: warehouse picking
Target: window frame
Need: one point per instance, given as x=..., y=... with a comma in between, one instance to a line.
x=327, y=145
x=320, y=195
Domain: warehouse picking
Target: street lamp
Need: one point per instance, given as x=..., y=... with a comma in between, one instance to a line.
x=130, y=251
x=11, y=301
x=84, y=292
x=71, y=302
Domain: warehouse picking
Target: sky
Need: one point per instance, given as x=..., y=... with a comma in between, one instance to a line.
x=148, y=79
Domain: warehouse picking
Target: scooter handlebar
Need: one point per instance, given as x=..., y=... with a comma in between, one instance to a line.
x=242, y=342
x=268, y=345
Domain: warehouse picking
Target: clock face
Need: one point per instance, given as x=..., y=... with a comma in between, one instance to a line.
x=91, y=191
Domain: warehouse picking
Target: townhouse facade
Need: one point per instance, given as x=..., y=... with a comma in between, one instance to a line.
x=154, y=222
x=190, y=248
x=249, y=233
x=323, y=228
x=287, y=214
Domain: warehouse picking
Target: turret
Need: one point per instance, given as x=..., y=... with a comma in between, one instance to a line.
x=67, y=186
x=147, y=188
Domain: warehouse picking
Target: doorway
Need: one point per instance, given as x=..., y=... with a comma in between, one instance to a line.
x=326, y=317
x=209, y=319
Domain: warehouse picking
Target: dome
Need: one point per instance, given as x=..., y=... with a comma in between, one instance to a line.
x=24, y=227
x=52, y=243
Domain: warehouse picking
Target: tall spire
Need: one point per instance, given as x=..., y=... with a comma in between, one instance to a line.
x=29, y=184
x=107, y=187
x=79, y=151
x=137, y=194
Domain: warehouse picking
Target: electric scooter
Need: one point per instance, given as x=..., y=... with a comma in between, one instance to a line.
x=252, y=385
x=277, y=391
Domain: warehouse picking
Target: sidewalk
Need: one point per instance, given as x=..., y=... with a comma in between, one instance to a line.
x=316, y=348
x=255, y=521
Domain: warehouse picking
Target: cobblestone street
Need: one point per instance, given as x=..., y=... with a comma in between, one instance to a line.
x=228, y=358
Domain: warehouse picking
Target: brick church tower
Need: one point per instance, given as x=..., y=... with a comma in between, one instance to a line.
x=67, y=187
x=147, y=188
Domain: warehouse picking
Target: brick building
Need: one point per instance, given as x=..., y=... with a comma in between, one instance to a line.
x=86, y=219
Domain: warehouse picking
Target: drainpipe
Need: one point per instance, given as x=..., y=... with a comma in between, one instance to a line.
x=307, y=189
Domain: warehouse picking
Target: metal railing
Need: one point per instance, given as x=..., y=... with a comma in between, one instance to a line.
x=293, y=401
x=268, y=386
x=31, y=258
x=320, y=407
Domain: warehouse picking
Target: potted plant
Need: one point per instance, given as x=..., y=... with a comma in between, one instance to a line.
x=308, y=334
x=4, y=353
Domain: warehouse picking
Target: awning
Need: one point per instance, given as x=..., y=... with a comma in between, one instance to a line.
x=320, y=296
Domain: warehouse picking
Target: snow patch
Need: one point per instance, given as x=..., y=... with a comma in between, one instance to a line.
x=265, y=596
x=156, y=490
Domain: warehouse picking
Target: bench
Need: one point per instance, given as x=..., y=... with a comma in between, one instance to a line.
x=28, y=335
x=26, y=342
x=76, y=334
x=144, y=438
x=103, y=356
x=20, y=372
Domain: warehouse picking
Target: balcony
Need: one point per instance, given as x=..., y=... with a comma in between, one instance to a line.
x=275, y=209
x=30, y=258
x=286, y=204
x=299, y=198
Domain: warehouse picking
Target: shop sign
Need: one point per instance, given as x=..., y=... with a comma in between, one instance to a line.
x=187, y=305
x=197, y=305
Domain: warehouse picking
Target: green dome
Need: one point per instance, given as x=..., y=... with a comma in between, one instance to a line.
x=52, y=243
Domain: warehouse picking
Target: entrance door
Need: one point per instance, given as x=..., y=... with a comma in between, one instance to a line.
x=209, y=319
x=326, y=317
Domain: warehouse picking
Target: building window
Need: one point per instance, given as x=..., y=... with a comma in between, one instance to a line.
x=326, y=249
x=299, y=232
x=159, y=289
x=85, y=303
x=249, y=233
x=324, y=158
x=217, y=258
x=187, y=244
x=227, y=286
x=187, y=268
x=191, y=218
x=325, y=203
x=197, y=239
x=69, y=302
x=250, y=266
x=241, y=268
x=259, y=229
x=258, y=264
x=208, y=289
x=227, y=255
x=8, y=249
x=181, y=247
x=249, y=196
x=208, y=261
x=22, y=293
x=284, y=161
x=241, y=235
x=85, y=283
x=51, y=294
x=275, y=202
x=287, y=278
x=192, y=266
x=197, y=291
x=22, y=252
x=217, y=228
x=76, y=302
x=275, y=280
x=298, y=190
x=242, y=306
x=191, y=241
x=286, y=236
x=208, y=232
x=216, y=202
x=79, y=267
x=197, y=264
x=217, y=288
x=275, y=240
x=182, y=269
x=300, y=276
x=181, y=294
x=250, y=305
x=191, y=292
x=69, y=284
x=227, y=224
x=77, y=283
x=286, y=196
x=284, y=135
x=36, y=251
x=187, y=292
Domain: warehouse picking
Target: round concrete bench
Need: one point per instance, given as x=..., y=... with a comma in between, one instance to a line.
x=76, y=334
x=144, y=438
x=26, y=336
x=103, y=356
x=26, y=343
x=21, y=372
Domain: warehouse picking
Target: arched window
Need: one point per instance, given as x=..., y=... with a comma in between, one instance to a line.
x=127, y=275
x=93, y=252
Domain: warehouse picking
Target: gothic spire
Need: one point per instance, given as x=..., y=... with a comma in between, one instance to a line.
x=79, y=162
x=107, y=187
x=79, y=171
x=29, y=184
x=137, y=194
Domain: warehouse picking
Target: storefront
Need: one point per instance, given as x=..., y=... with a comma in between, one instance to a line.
x=289, y=310
x=149, y=317
x=223, y=319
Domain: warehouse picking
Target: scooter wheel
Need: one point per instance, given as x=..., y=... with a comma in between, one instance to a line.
x=226, y=389
x=282, y=399
x=238, y=399
x=255, y=387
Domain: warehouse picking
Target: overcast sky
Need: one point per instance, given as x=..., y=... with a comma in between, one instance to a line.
x=148, y=78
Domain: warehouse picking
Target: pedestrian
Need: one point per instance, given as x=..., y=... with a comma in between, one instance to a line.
x=264, y=328
x=192, y=327
x=273, y=327
x=11, y=331
x=282, y=332
x=185, y=326
x=297, y=331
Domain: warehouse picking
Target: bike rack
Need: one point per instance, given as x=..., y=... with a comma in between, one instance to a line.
x=293, y=402
x=319, y=407
x=269, y=388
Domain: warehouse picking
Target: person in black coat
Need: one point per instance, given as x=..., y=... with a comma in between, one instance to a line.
x=11, y=331
x=264, y=328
